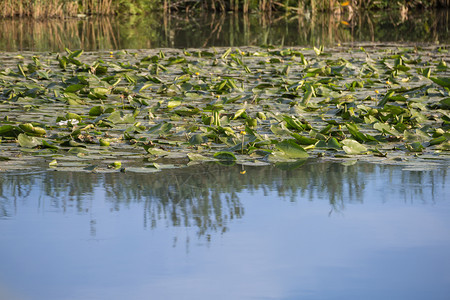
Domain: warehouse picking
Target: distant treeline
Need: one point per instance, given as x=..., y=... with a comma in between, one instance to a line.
x=63, y=8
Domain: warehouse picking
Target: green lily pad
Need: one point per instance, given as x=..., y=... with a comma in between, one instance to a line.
x=353, y=147
x=442, y=81
x=224, y=155
x=415, y=147
x=118, y=117
x=198, y=139
x=26, y=141
x=197, y=157
x=290, y=149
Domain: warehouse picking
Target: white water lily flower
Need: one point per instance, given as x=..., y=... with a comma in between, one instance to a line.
x=72, y=121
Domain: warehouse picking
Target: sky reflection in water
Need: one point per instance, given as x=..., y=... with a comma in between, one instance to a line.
x=323, y=231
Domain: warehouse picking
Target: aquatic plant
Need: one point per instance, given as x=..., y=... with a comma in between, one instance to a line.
x=251, y=106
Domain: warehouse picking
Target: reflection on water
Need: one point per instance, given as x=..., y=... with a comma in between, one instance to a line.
x=206, y=196
x=322, y=231
x=187, y=31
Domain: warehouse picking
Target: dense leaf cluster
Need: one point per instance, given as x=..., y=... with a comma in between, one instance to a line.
x=252, y=105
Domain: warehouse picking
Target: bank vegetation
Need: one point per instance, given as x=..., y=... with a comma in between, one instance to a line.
x=67, y=8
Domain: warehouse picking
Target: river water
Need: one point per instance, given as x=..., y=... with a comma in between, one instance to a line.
x=325, y=230
x=322, y=231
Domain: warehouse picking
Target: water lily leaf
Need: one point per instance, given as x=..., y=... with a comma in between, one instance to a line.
x=118, y=117
x=79, y=151
x=9, y=130
x=104, y=143
x=197, y=157
x=333, y=143
x=72, y=143
x=156, y=151
x=353, y=147
x=415, y=147
x=303, y=140
x=173, y=103
x=290, y=165
x=115, y=165
x=285, y=102
x=291, y=149
x=142, y=170
x=224, y=155
x=198, y=139
x=445, y=103
x=31, y=130
x=161, y=128
x=187, y=112
x=279, y=130
x=416, y=136
x=354, y=131
x=442, y=81
x=438, y=140
x=153, y=165
x=386, y=128
x=26, y=141
x=141, y=87
x=46, y=144
x=96, y=111
x=240, y=113
x=74, y=88
x=329, y=145
x=293, y=123
x=72, y=116
x=74, y=54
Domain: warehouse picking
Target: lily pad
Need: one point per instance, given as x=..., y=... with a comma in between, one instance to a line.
x=224, y=155
x=28, y=141
x=290, y=149
x=353, y=147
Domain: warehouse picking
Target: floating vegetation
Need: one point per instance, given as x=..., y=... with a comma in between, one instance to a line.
x=148, y=110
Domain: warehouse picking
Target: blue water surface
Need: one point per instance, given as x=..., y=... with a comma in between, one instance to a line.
x=322, y=231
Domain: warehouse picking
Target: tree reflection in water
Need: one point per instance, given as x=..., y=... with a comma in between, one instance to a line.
x=227, y=30
x=209, y=196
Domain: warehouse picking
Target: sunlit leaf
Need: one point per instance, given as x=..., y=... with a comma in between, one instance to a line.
x=291, y=149
x=224, y=155
x=26, y=141
x=353, y=147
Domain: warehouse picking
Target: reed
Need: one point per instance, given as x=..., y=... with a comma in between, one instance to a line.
x=57, y=8
x=63, y=8
x=99, y=7
x=38, y=8
x=297, y=5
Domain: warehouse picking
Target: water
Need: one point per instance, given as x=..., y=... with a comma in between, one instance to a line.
x=322, y=231
x=227, y=30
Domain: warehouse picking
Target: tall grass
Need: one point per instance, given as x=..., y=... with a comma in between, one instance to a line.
x=98, y=7
x=57, y=8
x=38, y=8
x=298, y=5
